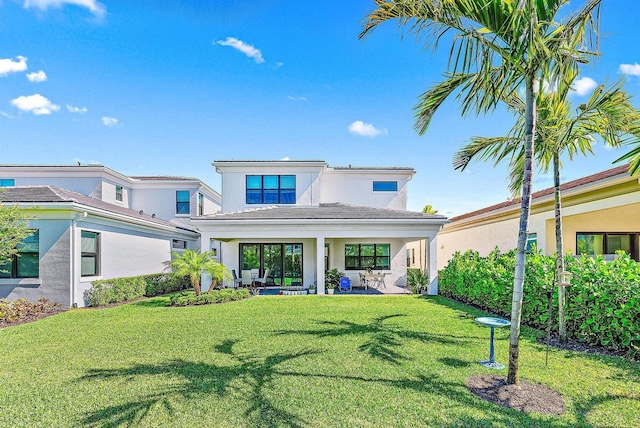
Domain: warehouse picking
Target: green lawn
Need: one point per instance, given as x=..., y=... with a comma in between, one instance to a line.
x=359, y=361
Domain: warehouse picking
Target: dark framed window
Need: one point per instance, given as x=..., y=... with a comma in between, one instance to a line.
x=119, y=193
x=593, y=243
x=532, y=239
x=367, y=256
x=284, y=262
x=26, y=262
x=182, y=202
x=200, y=204
x=385, y=186
x=179, y=244
x=90, y=258
x=7, y=182
x=271, y=189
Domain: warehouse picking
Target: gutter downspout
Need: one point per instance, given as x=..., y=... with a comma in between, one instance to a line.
x=74, y=263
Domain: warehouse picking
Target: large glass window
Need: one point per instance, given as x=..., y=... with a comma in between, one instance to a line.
x=367, y=256
x=26, y=263
x=182, y=202
x=593, y=243
x=90, y=247
x=271, y=189
x=284, y=261
x=385, y=186
x=7, y=182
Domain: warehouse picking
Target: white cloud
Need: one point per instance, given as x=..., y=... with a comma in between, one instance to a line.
x=94, y=6
x=285, y=158
x=80, y=110
x=36, y=104
x=243, y=47
x=7, y=65
x=37, y=76
x=109, y=121
x=632, y=69
x=583, y=85
x=365, y=129
x=7, y=115
x=292, y=98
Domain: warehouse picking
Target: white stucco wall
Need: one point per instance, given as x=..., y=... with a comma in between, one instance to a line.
x=355, y=187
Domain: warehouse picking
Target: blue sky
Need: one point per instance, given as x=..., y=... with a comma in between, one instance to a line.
x=168, y=86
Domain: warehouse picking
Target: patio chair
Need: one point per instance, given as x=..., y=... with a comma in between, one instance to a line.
x=246, y=278
x=263, y=280
x=236, y=281
x=363, y=280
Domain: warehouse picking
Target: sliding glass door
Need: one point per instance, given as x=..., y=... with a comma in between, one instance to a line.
x=284, y=262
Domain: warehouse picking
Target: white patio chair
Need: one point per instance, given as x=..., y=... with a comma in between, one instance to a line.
x=236, y=281
x=246, y=278
x=263, y=281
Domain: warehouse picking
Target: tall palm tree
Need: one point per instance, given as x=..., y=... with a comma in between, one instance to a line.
x=194, y=264
x=607, y=114
x=507, y=43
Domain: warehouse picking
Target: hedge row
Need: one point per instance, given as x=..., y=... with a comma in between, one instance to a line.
x=189, y=298
x=118, y=290
x=603, y=301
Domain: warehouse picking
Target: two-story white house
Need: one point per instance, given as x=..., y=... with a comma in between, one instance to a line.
x=91, y=222
x=300, y=218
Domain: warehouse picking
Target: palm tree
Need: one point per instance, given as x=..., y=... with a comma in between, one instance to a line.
x=607, y=114
x=507, y=43
x=194, y=264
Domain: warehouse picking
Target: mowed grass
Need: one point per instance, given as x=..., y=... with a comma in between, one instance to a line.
x=294, y=361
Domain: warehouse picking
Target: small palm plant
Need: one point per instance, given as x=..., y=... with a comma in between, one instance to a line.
x=194, y=263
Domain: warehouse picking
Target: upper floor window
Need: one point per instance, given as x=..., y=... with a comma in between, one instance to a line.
x=179, y=244
x=385, y=186
x=271, y=189
x=182, y=202
x=90, y=247
x=26, y=263
x=118, y=193
x=200, y=204
x=7, y=182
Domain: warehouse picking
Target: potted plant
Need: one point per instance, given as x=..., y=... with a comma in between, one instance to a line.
x=312, y=288
x=332, y=279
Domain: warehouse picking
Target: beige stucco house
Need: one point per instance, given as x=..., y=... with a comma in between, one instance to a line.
x=600, y=216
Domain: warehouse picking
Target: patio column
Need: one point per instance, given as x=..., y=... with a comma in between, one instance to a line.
x=320, y=264
x=432, y=265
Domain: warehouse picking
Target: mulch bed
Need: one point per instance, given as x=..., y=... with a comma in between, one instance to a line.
x=527, y=397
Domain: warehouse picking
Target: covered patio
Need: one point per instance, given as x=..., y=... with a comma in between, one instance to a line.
x=300, y=243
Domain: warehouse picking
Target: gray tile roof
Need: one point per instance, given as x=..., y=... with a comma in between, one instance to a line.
x=53, y=194
x=334, y=211
x=162, y=178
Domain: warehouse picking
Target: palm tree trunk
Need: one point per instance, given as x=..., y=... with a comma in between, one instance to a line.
x=562, y=327
x=525, y=208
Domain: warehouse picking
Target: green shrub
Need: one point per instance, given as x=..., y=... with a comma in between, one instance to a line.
x=602, y=303
x=17, y=310
x=189, y=298
x=417, y=280
x=116, y=290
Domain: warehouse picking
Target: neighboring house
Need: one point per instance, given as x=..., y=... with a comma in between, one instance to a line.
x=300, y=218
x=599, y=216
x=91, y=223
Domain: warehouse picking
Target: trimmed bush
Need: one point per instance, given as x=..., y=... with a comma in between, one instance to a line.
x=417, y=280
x=189, y=298
x=602, y=304
x=116, y=290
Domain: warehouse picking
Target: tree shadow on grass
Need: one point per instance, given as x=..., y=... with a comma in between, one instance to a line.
x=198, y=379
x=383, y=340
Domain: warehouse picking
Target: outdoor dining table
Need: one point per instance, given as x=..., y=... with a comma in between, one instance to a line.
x=374, y=280
x=493, y=323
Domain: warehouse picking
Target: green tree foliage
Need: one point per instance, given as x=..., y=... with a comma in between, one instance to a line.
x=194, y=263
x=428, y=209
x=509, y=44
x=13, y=229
